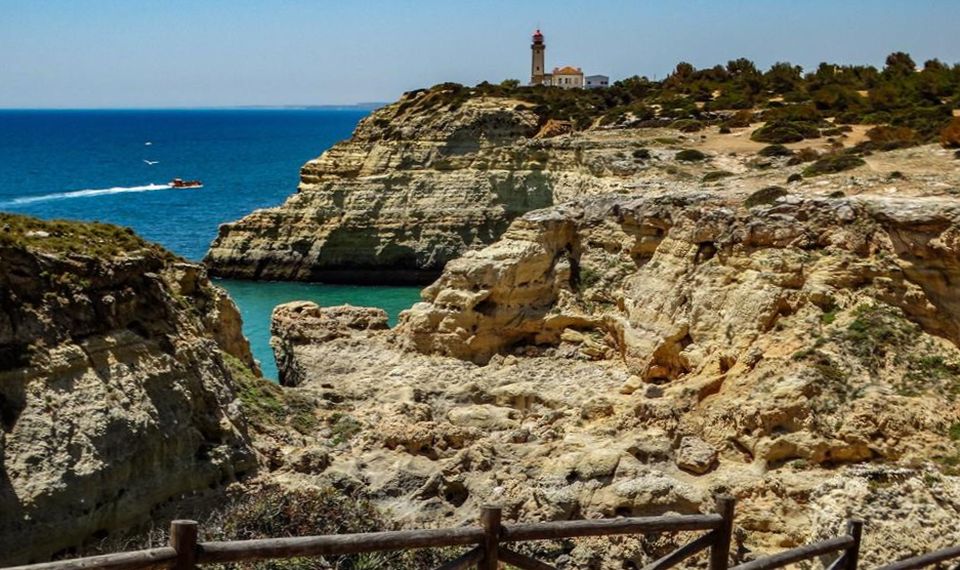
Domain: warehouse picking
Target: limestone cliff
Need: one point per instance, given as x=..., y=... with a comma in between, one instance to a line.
x=417, y=184
x=634, y=355
x=445, y=170
x=118, y=388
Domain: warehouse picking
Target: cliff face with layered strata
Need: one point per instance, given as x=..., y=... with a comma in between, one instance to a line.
x=413, y=188
x=636, y=355
x=118, y=389
x=436, y=174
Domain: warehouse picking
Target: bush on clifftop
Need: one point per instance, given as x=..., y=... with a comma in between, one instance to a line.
x=690, y=155
x=833, y=163
x=67, y=237
x=775, y=150
x=796, y=104
x=785, y=131
x=765, y=196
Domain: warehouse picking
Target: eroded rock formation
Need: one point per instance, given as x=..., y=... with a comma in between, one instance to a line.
x=117, y=384
x=635, y=355
x=414, y=187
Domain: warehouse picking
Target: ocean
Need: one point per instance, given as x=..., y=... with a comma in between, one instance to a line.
x=114, y=166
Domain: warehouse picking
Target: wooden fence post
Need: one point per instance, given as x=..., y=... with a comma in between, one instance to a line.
x=490, y=520
x=854, y=529
x=183, y=539
x=720, y=550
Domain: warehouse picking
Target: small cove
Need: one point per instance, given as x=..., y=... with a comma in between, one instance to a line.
x=113, y=166
x=256, y=300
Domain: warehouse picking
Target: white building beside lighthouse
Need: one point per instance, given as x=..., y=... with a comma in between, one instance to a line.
x=567, y=77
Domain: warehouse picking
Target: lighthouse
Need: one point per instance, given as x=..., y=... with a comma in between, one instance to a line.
x=537, y=49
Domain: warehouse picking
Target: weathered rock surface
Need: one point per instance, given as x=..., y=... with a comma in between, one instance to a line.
x=413, y=188
x=695, y=455
x=303, y=323
x=117, y=390
x=636, y=355
x=407, y=193
x=434, y=175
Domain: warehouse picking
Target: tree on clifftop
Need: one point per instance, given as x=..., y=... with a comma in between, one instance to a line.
x=899, y=64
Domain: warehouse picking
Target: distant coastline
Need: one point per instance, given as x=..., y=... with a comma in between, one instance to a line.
x=365, y=106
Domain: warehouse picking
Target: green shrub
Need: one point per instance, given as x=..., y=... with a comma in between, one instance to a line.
x=765, y=196
x=848, y=118
x=784, y=131
x=731, y=100
x=875, y=332
x=795, y=113
x=716, y=175
x=641, y=154
x=795, y=177
x=775, y=150
x=832, y=132
x=833, y=163
x=687, y=125
x=270, y=404
x=806, y=154
x=275, y=511
x=91, y=239
x=921, y=101
x=954, y=432
x=690, y=155
x=344, y=428
x=613, y=117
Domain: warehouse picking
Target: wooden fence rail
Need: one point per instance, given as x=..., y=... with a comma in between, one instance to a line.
x=491, y=542
x=848, y=545
x=925, y=559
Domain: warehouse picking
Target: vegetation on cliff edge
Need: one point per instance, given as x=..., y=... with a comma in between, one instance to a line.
x=68, y=237
x=793, y=104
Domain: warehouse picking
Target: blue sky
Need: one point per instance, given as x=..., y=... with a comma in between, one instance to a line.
x=172, y=53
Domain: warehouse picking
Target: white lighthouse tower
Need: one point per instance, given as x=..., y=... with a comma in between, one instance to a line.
x=537, y=66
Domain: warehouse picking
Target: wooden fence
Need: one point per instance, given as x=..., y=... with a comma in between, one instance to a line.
x=491, y=541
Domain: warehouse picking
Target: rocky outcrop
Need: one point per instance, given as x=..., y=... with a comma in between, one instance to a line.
x=419, y=182
x=445, y=170
x=635, y=355
x=117, y=384
x=302, y=323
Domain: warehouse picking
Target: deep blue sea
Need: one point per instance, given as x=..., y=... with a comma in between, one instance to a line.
x=113, y=166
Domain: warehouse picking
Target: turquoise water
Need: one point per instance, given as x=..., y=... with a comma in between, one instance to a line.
x=113, y=166
x=257, y=299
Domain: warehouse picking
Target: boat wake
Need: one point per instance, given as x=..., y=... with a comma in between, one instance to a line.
x=84, y=194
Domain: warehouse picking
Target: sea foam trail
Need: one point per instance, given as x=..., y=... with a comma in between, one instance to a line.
x=84, y=194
